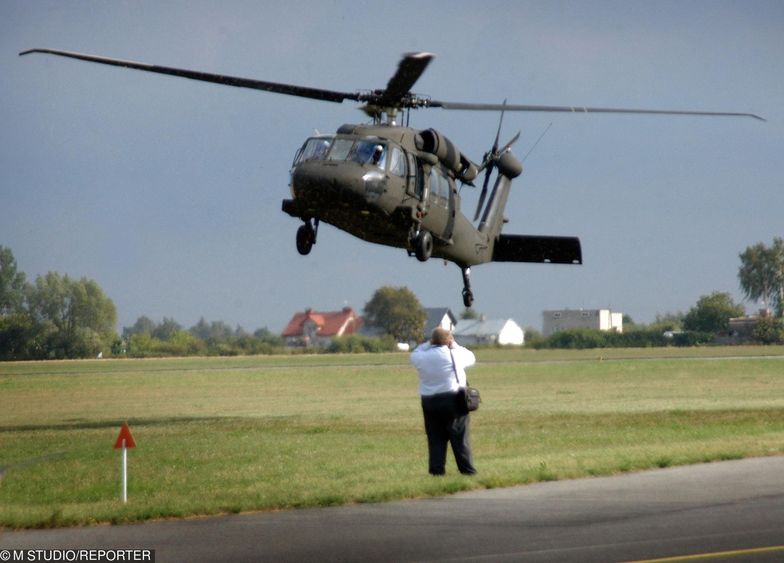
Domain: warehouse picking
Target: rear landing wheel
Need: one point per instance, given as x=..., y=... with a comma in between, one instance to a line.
x=468, y=298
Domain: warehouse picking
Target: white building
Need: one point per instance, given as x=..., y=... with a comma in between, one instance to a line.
x=597, y=319
x=505, y=332
x=439, y=317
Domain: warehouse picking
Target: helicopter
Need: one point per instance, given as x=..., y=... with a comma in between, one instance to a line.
x=395, y=185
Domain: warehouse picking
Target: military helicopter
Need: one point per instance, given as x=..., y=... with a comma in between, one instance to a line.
x=396, y=185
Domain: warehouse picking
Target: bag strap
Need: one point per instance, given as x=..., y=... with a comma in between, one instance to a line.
x=454, y=368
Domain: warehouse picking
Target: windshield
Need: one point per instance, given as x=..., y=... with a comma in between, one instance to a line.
x=368, y=152
x=364, y=151
x=314, y=149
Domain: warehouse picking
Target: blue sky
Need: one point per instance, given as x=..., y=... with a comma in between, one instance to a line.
x=167, y=192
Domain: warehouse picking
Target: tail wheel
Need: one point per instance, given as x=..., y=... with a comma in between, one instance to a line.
x=305, y=239
x=468, y=298
x=423, y=245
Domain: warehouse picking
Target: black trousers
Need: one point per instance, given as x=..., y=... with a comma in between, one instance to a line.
x=444, y=425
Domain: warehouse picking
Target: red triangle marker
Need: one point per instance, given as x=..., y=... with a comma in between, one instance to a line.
x=125, y=434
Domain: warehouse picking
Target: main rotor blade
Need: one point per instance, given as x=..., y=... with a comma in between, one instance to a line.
x=411, y=67
x=289, y=89
x=569, y=109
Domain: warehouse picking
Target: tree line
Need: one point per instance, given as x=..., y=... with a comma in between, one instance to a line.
x=58, y=317
x=168, y=338
x=707, y=321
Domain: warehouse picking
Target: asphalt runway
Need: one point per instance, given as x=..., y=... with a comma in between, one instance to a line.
x=728, y=511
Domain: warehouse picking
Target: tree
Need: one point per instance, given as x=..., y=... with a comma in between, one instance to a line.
x=216, y=332
x=167, y=329
x=778, y=256
x=143, y=325
x=768, y=331
x=761, y=274
x=266, y=336
x=397, y=312
x=469, y=314
x=668, y=321
x=712, y=313
x=76, y=315
x=19, y=339
x=12, y=284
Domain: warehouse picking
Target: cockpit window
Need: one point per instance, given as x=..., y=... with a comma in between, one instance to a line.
x=364, y=151
x=368, y=152
x=397, y=162
x=315, y=149
x=340, y=149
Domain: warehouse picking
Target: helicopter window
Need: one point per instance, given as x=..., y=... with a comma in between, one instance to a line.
x=397, y=162
x=439, y=188
x=315, y=149
x=443, y=190
x=340, y=149
x=415, y=177
x=434, y=187
x=368, y=152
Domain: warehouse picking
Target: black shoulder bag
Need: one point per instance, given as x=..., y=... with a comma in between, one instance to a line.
x=468, y=398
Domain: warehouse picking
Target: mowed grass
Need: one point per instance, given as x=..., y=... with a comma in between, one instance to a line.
x=218, y=435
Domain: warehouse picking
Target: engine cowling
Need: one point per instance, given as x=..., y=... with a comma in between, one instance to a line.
x=433, y=142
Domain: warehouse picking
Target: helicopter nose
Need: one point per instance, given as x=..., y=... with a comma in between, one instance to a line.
x=375, y=184
x=345, y=185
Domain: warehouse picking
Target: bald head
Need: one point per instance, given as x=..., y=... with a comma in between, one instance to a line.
x=440, y=337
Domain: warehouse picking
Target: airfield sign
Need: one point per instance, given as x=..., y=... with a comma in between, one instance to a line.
x=124, y=441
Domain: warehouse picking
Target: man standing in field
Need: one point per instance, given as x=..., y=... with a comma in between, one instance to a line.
x=441, y=364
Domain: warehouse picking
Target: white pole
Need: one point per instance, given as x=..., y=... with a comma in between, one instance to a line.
x=124, y=472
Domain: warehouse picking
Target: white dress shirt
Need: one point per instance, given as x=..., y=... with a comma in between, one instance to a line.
x=434, y=364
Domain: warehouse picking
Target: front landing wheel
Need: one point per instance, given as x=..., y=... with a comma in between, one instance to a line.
x=423, y=246
x=305, y=239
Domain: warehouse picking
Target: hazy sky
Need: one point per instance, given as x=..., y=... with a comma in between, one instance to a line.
x=167, y=192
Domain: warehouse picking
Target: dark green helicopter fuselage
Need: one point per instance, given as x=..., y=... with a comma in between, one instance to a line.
x=382, y=184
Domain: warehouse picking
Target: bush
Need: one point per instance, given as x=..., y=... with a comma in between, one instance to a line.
x=355, y=344
x=584, y=338
x=18, y=337
x=768, y=330
x=181, y=343
x=577, y=339
x=693, y=338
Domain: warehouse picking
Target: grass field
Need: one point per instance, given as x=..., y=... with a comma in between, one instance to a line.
x=219, y=435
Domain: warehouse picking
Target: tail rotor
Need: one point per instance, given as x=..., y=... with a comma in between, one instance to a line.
x=490, y=161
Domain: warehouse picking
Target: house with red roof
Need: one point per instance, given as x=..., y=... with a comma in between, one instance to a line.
x=314, y=328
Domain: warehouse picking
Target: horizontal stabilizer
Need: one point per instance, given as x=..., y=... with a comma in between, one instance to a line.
x=527, y=248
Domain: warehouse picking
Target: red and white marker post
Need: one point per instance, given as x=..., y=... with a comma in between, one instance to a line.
x=124, y=441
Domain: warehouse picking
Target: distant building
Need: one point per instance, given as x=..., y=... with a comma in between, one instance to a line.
x=314, y=328
x=741, y=329
x=504, y=332
x=439, y=317
x=597, y=319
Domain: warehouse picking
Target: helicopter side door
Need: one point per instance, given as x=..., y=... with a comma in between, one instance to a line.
x=440, y=201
